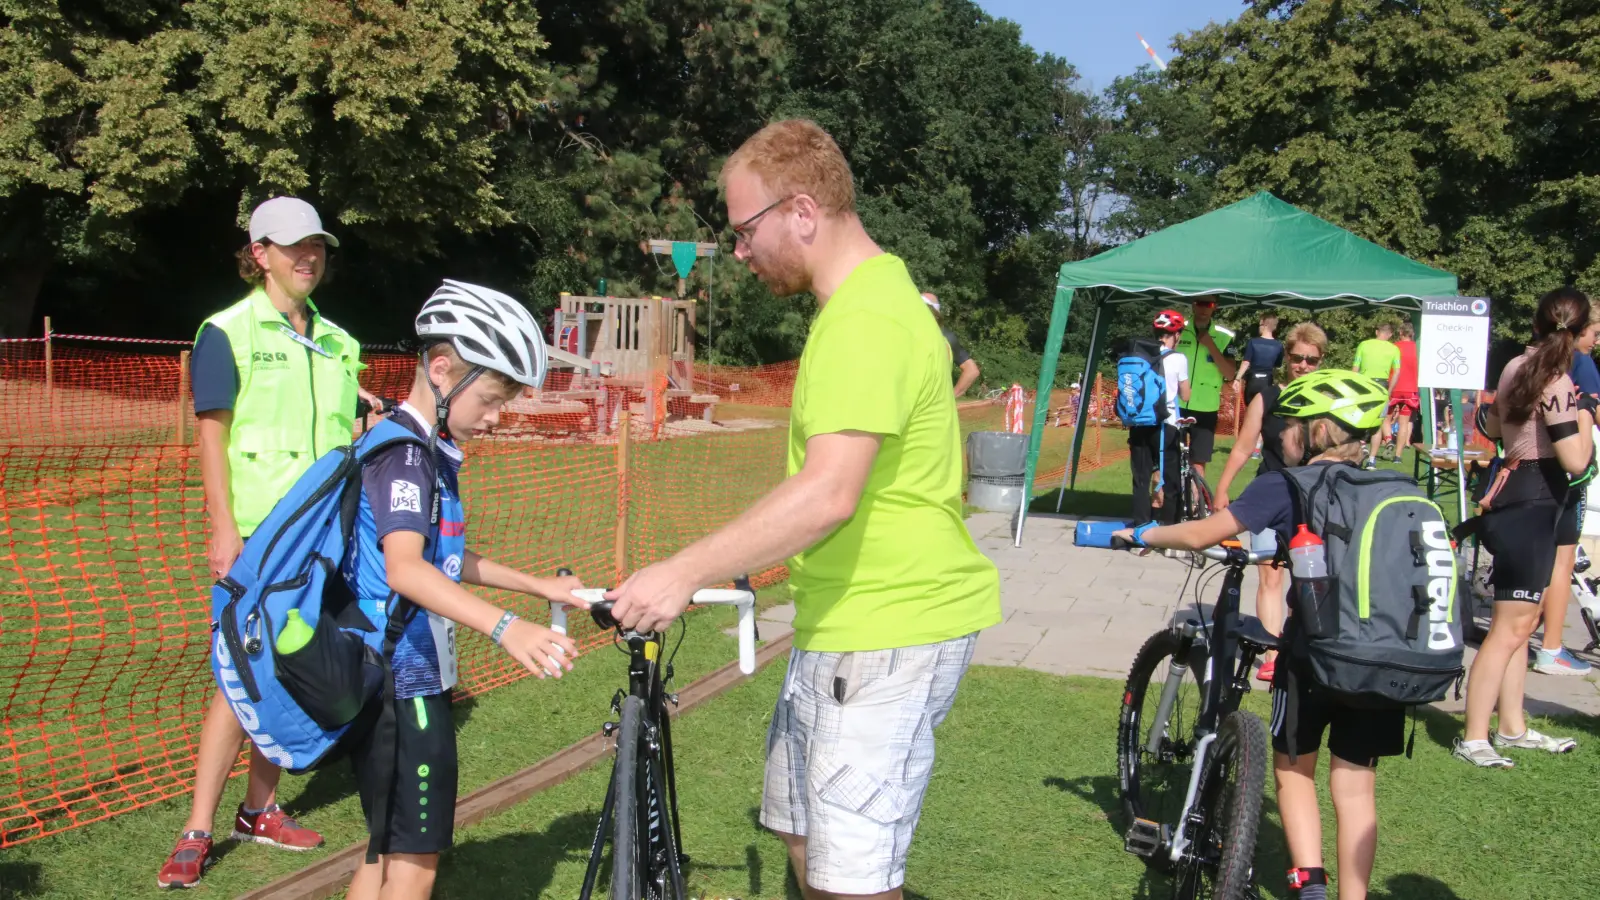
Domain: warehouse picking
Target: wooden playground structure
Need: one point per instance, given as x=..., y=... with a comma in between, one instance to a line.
x=620, y=351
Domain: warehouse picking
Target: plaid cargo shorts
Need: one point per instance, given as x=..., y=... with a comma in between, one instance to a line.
x=849, y=755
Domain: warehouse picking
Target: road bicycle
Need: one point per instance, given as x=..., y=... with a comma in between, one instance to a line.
x=1192, y=766
x=1194, y=494
x=640, y=813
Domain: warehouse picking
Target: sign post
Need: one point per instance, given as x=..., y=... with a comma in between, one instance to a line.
x=1453, y=354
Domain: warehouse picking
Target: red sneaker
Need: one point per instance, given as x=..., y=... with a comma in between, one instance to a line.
x=273, y=826
x=188, y=861
x=1267, y=670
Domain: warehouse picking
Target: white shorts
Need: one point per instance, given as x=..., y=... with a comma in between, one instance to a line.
x=850, y=776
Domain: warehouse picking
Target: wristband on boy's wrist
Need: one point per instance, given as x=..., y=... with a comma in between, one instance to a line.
x=1138, y=533
x=500, y=627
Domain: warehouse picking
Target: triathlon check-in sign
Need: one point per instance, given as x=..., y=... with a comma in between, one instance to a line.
x=1453, y=343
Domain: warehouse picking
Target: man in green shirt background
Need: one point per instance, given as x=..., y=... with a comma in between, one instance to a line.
x=1378, y=358
x=889, y=589
x=1205, y=345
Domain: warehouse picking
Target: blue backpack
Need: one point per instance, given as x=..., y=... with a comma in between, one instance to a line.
x=302, y=709
x=1141, y=388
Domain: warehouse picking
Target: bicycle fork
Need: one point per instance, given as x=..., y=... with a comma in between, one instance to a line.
x=1169, y=691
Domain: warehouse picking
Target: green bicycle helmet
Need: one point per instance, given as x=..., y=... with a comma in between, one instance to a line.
x=1355, y=400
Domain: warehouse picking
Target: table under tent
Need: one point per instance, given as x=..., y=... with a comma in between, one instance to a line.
x=1258, y=252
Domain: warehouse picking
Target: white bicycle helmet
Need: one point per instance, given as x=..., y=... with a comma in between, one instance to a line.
x=488, y=329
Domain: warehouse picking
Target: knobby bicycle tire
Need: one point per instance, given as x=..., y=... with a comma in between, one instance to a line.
x=1154, y=787
x=1221, y=855
x=627, y=871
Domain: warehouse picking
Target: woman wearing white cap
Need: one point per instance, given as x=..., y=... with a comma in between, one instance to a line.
x=274, y=389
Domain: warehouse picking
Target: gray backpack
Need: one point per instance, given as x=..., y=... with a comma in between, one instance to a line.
x=1386, y=633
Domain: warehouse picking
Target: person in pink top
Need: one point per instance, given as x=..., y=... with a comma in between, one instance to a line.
x=1547, y=431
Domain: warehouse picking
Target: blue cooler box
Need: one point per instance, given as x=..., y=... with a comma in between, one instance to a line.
x=1097, y=534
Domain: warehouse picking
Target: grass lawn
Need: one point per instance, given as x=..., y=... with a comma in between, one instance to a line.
x=499, y=733
x=1024, y=805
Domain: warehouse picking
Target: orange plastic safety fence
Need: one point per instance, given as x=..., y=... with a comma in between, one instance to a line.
x=750, y=386
x=104, y=594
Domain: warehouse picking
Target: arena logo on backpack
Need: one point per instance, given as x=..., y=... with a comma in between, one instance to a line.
x=1380, y=629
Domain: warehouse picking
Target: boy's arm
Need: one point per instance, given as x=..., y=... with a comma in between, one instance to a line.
x=486, y=572
x=1196, y=535
x=537, y=648
x=1244, y=369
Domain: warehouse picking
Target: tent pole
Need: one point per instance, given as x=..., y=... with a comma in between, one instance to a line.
x=1085, y=397
x=1461, y=457
x=1041, y=403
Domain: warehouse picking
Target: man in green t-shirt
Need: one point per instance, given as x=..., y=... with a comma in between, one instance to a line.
x=1206, y=346
x=1378, y=358
x=890, y=591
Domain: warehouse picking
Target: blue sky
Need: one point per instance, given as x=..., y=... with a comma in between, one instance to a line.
x=1097, y=36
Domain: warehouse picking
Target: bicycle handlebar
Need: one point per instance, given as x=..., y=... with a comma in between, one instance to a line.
x=600, y=609
x=1229, y=555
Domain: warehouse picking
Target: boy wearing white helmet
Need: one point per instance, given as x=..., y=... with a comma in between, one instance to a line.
x=481, y=348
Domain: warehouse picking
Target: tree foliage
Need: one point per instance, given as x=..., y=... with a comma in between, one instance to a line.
x=534, y=145
x=1457, y=132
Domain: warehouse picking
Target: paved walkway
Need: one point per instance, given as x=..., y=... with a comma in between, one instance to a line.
x=1074, y=611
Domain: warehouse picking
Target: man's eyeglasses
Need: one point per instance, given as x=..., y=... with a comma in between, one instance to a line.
x=746, y=230
x=1305, y=360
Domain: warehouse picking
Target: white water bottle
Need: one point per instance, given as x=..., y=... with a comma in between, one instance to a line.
x=1308, y=555
x=1308, y=560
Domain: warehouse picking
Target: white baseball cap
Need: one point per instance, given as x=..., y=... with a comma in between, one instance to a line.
x=287, y=220
x=932, y=301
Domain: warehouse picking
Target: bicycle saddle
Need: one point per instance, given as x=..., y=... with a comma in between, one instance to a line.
x=1251, y=631
x=1186, y=421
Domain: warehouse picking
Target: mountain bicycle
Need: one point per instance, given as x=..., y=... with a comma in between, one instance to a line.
x=640, y=811
x=1192, y=788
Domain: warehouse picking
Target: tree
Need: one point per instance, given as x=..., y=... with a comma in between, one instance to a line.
x=1454, y=132
x=1158, y=154
x=387, y=113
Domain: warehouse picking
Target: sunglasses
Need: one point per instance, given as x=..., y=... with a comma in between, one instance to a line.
x=1305, y=360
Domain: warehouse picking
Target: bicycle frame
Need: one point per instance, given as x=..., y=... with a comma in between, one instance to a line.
x=1207, y=653
x=646, y=682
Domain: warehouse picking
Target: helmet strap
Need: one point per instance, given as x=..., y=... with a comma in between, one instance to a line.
x=441, y=402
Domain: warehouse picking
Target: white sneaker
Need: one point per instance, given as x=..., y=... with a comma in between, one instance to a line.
x=1482, y=755
x=1533, y=740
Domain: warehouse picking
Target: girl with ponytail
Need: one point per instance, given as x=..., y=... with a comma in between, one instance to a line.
x=1548, y=437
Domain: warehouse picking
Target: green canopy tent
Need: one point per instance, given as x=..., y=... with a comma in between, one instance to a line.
x=1258, y=252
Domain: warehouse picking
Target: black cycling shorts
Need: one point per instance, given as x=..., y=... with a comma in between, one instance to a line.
x=1523, y=539
x=1359, y=736
x=1202, y=435
x=422, y=807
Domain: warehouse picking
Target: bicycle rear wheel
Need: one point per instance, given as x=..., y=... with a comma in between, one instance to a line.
x=628, y=840
x=1154, y=782
x=1219, y=862
x=1198, y=502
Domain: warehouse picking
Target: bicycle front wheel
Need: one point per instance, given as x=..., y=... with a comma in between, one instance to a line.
x=628, y=850
x=1219, y=862
x=1155, y=751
